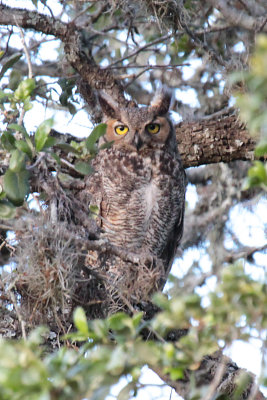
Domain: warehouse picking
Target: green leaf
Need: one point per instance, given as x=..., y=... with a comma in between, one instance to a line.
x=7, y=210
x=17, y=160
x=118, y=361
x=15, y=78
x=29, y=149
x=83, y=168
x=137, y=318
x=100, y=329
x=67, y=147
x=8, y=141
x=16, y=186
x=175, y=373
x=50, y=142
x=80, y=321
x=71, y=108
x=27, y=105
x=9, y=63
x=56, y=157
x=42, y=133
x=261, y=149
x=24, y=89
x=18, y=128
x=96, y=133
x=118, y=321
x=23, y=146
x=106, y=145
x=258, y=171
x=2, y=193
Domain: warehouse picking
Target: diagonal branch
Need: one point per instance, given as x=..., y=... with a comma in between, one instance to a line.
x=75, y=46
x=223, y=376
x=237, y=18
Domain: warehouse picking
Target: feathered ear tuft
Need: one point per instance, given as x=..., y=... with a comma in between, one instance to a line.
x=108, y=105
x=161, y=102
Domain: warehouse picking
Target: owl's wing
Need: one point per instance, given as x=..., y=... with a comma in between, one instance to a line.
x=174, y=241
x=172, y=244
x=94, y=188
x=175, y=236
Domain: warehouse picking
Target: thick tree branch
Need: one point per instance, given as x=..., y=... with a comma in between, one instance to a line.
x=214, y=140
x=85, y=65
x=76, y=48
x=221, y=373
x=207, y=141
x=32, y=20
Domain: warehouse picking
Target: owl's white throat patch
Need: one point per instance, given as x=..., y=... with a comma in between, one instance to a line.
x=150, y=197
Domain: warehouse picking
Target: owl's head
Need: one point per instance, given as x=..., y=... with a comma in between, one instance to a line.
x=135, y=128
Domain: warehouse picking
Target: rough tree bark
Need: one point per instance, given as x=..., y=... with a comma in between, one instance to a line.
x=213, y=140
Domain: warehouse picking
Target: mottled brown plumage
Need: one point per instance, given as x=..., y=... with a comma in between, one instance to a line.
x=139, y=187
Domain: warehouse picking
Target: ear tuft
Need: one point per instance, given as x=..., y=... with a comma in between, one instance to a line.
x=108, y=105
x=161, y=102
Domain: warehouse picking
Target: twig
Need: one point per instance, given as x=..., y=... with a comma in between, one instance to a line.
x=4, y=241
x=18, y=135
x=262, y=25
x=80, y=14
x=244, y=252
x=69, y=165
x=7, y=43
x=39, y=159
x=134, y=53
x=14, y=301
x=51, y=12
x=148, y=66
x=104, y=33
x=136, y=76
x=30, y=75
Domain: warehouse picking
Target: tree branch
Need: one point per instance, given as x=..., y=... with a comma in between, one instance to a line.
x=32, y=20
x=245, y=252
x=214, y=140
x=76, y=48
x=207, y=141
x=237, y=18
x=223, y=376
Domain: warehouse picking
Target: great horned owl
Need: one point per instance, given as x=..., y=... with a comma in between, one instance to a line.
x=139, y=188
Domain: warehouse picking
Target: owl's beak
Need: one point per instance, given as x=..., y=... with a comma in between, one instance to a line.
x=138, y=142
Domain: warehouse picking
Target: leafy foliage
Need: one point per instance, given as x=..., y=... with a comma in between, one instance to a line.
x=113, y=347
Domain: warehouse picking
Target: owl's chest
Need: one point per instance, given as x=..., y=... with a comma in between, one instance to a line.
x=131, y=176
x=133, y=184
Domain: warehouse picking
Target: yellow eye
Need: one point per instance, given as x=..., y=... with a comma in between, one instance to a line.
x=121, y=129
x=153, y=128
